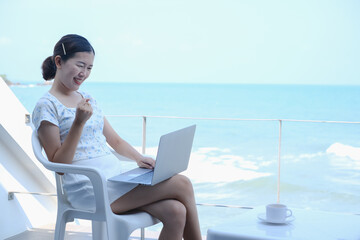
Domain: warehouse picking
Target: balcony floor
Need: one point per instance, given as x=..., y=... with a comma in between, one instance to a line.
x=73, y=232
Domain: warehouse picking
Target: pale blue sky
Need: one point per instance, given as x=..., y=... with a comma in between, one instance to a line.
x=191, y=41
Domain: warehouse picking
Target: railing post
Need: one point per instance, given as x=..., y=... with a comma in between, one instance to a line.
x=279, y=162
x=142, y=230
x=144, y=136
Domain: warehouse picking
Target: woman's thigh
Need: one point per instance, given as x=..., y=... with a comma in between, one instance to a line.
x=167, y=211
x=178, y=187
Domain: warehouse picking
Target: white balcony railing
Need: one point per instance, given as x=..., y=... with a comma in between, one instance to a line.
x=280, y=122
x=143, y=147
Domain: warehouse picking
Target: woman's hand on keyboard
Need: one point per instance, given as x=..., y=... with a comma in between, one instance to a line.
x=146, y=162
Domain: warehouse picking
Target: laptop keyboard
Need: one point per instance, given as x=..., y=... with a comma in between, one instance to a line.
x=144, y=178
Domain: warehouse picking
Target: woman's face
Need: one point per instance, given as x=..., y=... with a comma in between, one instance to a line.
x=75, y=70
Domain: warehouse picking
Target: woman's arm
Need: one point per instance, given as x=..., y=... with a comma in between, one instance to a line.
x=49, y=135
x=124, y=148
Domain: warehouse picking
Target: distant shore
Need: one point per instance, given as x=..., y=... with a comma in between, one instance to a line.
x=45, y=83
x=11, y=83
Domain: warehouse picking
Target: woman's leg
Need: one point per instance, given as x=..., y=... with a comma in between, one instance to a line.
x=172, y=214
x=178, y=187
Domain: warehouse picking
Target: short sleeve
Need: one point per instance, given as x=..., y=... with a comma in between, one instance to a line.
x=44, y=111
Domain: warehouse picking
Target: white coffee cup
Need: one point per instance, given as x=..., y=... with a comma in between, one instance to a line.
x=277, y=213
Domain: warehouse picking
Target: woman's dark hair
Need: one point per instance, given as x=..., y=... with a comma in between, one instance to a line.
x=66, y=48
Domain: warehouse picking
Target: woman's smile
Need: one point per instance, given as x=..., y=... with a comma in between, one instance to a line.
x=78, y=81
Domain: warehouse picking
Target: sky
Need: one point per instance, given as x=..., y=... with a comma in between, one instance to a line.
x=189, y=41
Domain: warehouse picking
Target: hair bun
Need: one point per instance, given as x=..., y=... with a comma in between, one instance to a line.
x=48, y=69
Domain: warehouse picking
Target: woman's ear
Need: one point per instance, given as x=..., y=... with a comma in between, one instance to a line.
x=57, y=61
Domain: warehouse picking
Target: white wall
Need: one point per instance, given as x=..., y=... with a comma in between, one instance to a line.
x=20, y=171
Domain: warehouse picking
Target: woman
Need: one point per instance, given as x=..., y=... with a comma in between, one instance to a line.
x=73, y=130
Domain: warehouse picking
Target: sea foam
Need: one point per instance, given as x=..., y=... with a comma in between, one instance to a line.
x=343, y=150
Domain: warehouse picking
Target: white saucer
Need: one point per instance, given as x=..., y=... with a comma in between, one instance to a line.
x=262, y=217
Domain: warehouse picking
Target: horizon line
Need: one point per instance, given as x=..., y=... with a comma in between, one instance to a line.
x=46, y=83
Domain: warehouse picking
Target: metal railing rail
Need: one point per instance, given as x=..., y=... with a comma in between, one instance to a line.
x=235, y=119
x=11, y=194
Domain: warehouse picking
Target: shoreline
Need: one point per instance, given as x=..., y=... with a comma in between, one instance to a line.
x=46, y=83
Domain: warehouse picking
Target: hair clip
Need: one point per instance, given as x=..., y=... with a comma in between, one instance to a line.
x=63, y=48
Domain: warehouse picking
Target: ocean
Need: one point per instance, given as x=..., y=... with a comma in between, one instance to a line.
x=236, y=146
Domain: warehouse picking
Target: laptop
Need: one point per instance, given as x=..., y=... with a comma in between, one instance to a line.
x=172, y=158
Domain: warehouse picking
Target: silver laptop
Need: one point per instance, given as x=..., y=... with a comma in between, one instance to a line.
x=172, y=157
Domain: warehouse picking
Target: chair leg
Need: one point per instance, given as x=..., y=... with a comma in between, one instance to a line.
x=118, y=231
x=142, y=232
x=60, y=227
x=99, y=231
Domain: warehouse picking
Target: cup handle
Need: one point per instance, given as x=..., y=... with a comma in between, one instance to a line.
x=289, y=213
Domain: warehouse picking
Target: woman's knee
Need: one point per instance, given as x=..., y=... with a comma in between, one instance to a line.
x=175, y=213
x=183, y=187
x=183, y=183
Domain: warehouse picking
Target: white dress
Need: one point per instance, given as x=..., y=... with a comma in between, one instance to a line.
x=91, y=151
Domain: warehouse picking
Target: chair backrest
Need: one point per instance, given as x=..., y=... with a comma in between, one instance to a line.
x=37, y=148
x=39, y=154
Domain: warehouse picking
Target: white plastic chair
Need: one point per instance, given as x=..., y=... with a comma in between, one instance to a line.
x=105, y=224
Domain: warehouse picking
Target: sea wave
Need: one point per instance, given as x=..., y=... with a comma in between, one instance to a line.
x=343, y=150
x=215, y=165
x=219, y=165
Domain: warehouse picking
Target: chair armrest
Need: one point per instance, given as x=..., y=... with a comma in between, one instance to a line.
x=71, y=168
x=96, y=178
